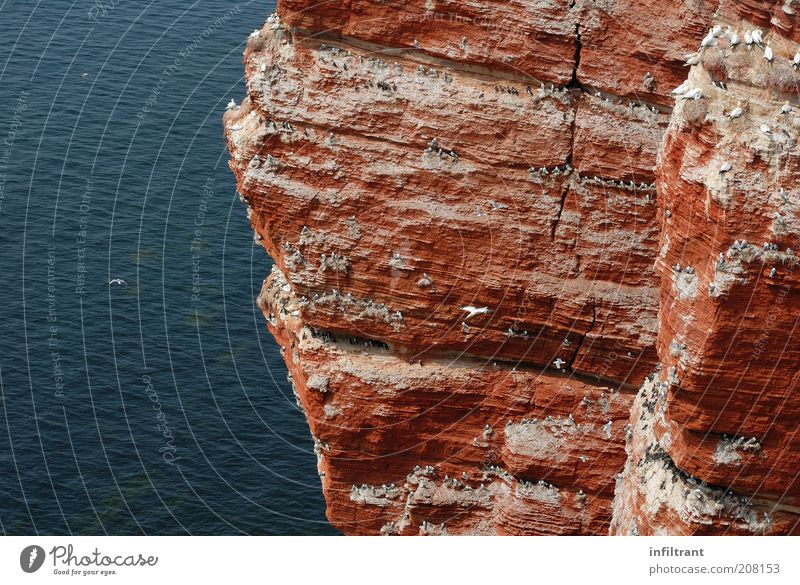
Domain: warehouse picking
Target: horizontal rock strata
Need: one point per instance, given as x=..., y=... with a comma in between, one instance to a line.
x=402, y=160
x=728, y=339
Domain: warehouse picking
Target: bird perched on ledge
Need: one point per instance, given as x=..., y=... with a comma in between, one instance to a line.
x=710, y=37
x=693, y=94
x=682, y=88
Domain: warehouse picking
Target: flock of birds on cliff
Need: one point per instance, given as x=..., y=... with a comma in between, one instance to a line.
x=752, y=38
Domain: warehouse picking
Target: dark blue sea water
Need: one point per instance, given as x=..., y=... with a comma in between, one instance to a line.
x=160, y=407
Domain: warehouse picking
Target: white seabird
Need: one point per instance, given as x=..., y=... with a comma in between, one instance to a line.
x=693, y=94
x=768, y=55
x=748, y=39
x=117, y=281
x=757, y=38
x=734, y=40
x=682, y=88
x=708, y=39
x=735, y=113
x=231, y=104
x=473, y=311
x=558, y=362
x=796, y=60
x=726, y=166
x=693, y=59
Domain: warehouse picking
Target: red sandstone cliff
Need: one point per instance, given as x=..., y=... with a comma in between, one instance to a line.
x=402, y=160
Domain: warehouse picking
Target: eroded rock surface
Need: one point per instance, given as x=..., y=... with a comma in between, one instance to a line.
x=728, y=343
x=402, y=160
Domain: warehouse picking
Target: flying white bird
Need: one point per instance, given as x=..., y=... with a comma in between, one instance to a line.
x=725, y=167
x=768, y=55
x=118, y=281
x=735, y=113
x=231, y=104
x=558, y=362
x=693, y=94
x=473, y=311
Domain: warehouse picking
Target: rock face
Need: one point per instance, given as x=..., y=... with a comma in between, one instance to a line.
x=402, y=160
x=727, y=404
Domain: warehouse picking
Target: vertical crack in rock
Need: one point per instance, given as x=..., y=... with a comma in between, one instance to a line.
x=564, y=192
x=578, y=46
x=573, y=122
x=583, y=337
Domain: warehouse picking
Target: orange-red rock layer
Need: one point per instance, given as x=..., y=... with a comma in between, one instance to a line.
x=729, y=296
x=402, y=160
x=654, y=497
x=389, y=219
x=449, y=445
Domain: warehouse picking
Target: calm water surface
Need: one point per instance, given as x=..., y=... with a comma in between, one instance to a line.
x=160, y=407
